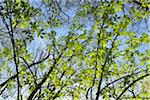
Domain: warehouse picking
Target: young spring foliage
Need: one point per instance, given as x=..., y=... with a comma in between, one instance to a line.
x=92, y=49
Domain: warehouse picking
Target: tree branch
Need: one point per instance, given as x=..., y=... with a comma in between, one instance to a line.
x=131, y=85
x=103, y=66
x=118, y=80
x=14, y=76
x=38, y=86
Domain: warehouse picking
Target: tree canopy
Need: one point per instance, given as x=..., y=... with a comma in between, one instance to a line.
x=74, y=49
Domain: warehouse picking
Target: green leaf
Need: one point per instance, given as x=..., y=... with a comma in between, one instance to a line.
x=24, y=24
